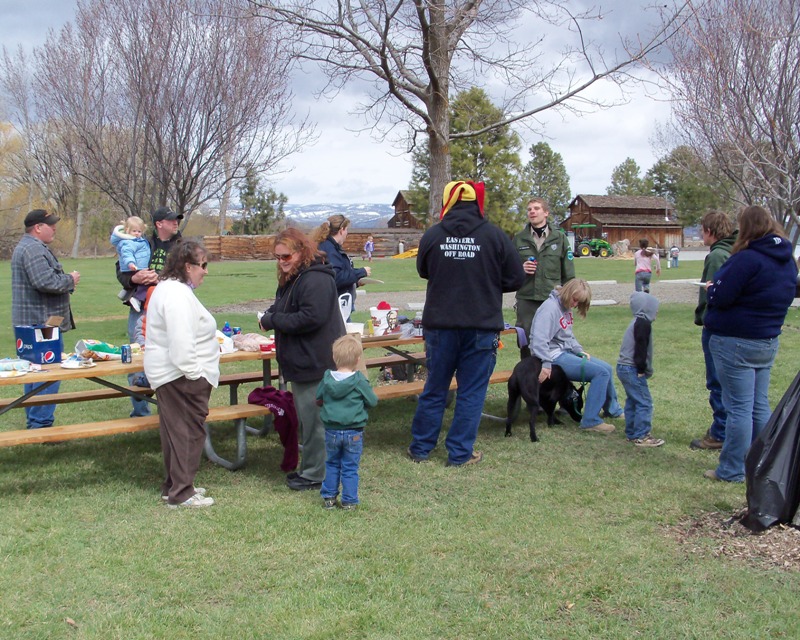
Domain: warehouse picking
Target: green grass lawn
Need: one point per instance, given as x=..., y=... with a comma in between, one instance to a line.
x=565, y=538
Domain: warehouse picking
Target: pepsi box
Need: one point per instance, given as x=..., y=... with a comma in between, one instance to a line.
x=39, y=343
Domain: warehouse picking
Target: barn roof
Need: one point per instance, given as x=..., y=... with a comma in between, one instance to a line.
x=633, y=220
x=404, y=194
x=624, y=202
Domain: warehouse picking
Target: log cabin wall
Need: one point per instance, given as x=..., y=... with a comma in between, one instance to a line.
x=261, y=247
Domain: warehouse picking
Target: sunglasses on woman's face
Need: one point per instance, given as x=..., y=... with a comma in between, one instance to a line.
x=202, y=265
x=283, y=257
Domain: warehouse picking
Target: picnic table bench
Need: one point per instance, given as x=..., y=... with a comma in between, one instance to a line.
x=234, y=412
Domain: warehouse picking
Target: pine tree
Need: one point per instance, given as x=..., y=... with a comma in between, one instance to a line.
x=262, y=209
x=492, y=158
x=545, y=176
x=682, y=177
x=625, y=180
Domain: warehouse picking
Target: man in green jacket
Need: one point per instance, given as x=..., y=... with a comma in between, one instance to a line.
x=547, y=260
x=719, y=235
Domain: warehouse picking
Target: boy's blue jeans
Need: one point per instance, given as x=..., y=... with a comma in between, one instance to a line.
x=638, y=404
x=344, y=448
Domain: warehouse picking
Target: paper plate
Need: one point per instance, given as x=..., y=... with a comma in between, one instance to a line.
x=12, y=374
x=75, y=364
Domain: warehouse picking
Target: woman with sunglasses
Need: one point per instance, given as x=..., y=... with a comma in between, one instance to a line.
x=306, y=320
x=181, y=361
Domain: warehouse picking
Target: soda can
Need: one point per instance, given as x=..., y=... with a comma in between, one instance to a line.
x=237, y=331
x=125, y=352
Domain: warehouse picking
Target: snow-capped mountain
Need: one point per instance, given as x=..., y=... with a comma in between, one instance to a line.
x=360, y=215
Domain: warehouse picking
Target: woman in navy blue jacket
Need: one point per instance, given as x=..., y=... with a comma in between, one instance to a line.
x=747, y=304
x=330, y=236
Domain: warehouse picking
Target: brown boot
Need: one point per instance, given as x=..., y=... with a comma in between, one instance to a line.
x=706, y=442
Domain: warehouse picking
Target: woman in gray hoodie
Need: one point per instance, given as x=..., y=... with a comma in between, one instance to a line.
x=553, y=342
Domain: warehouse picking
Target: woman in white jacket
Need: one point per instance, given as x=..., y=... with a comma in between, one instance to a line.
x=553, y=342
x=181, y=361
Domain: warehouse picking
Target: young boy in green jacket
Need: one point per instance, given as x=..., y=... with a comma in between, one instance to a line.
x=344, y=396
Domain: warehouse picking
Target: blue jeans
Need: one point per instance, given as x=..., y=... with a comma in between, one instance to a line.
x=601, y=395
x=45, y=415
x=720, y=416
x=674, y=262
x=743, y=366
x=642, y=281
x=140, y=407
x=470, y=355
x=638, y=404
x=344, y=448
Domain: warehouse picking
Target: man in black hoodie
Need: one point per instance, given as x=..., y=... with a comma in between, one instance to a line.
x=469, y=264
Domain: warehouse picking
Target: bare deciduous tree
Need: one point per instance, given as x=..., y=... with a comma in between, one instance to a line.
x=168, y=101
x=735, y=82
x=416, y=52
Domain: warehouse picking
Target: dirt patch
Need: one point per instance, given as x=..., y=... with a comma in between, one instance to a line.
x=722, y=535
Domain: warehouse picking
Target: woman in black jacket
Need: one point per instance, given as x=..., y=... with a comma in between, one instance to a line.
x=306, y=320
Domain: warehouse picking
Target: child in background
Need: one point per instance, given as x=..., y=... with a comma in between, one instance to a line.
x=674, y=252
x=369, y=247
x=643, y=266
x=634, y=367
x=344, y=396
x=133, y=250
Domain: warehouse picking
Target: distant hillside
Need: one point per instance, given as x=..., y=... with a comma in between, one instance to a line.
x=361, y=215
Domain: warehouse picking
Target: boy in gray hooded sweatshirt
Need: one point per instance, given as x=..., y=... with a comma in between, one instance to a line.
x=635, y=366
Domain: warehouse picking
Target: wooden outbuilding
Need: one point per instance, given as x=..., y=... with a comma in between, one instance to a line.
x=403, y=218
x=617, y=218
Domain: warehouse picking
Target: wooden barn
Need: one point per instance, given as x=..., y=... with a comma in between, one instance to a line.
x=619, y=218
x=403, y=218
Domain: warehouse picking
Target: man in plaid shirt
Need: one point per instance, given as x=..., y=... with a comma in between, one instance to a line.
x=40, y=289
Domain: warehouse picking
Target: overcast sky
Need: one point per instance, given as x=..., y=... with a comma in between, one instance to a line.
x=348, y=167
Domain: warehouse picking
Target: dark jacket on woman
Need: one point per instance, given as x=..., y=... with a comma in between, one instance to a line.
x=346, y=275
x=307, y=321
x=752, y=291
x=469, y=264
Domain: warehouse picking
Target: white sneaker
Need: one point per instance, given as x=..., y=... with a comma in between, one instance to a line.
x=200, y=490
x=195, y=501
x=136, y=304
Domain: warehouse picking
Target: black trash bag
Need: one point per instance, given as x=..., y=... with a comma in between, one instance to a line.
x=772, y=466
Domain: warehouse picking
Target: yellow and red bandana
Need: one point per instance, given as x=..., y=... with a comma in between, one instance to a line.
x=460, y=190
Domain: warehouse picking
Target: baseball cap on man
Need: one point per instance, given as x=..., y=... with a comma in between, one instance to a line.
x=165, y=213
x=40, y=216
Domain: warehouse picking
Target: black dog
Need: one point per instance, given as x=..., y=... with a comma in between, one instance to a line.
x=557, y=390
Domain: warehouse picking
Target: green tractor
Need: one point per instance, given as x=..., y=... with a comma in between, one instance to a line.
x=587, y=246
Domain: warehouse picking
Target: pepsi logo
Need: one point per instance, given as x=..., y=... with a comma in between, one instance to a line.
x=49, y=356
x=19, y=344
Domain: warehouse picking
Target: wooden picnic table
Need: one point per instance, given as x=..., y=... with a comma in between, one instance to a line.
x=100, y=374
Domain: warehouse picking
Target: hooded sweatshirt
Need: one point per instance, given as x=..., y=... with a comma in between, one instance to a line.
x=637, y=343
x=307, y=321
x=469, y=264
x=552, y=331
x=752, y=291
x=344, y=398
x=720, y=251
